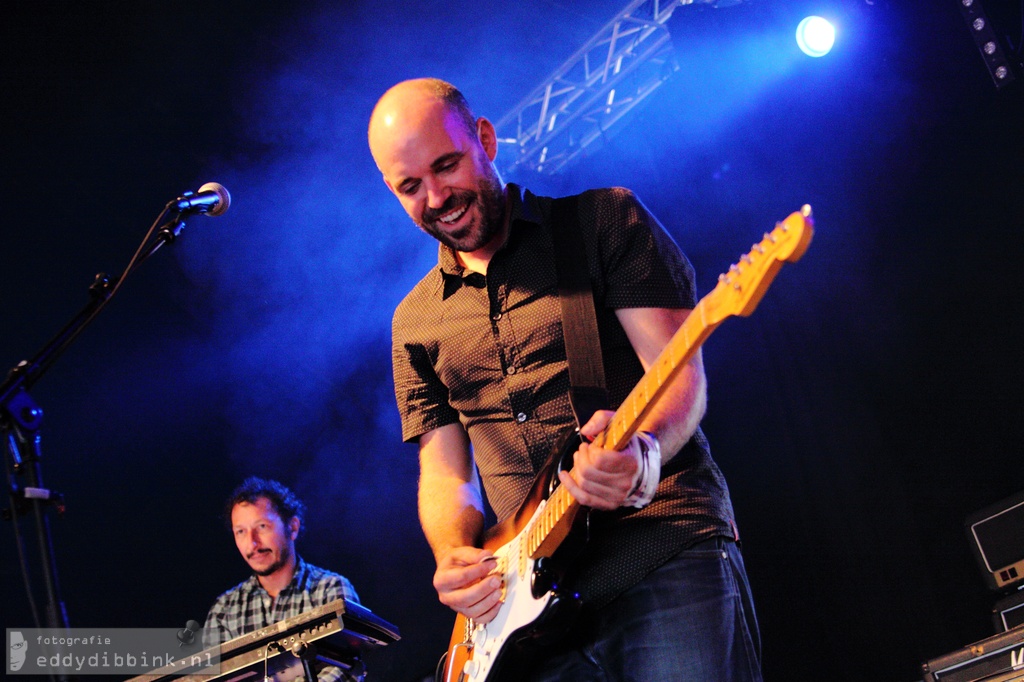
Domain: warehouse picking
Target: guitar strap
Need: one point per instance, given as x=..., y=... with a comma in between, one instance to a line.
x=587, y=391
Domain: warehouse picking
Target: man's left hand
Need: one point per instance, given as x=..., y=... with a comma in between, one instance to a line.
x=600, y=478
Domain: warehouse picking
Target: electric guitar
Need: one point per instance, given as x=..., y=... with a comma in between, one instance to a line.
x=533, y=605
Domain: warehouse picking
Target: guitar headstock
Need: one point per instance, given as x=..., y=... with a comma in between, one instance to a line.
x=740, y=289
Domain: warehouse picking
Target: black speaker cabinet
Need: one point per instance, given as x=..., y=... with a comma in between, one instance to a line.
x=996, y=659
x=996, y=535
x=1008, y=612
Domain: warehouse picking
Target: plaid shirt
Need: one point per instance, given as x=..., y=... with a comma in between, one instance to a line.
x=247, y=606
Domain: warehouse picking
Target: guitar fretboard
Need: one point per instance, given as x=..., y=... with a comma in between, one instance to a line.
x=683, y=345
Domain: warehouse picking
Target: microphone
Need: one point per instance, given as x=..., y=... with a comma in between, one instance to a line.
x=187, y=635
x=212, y=199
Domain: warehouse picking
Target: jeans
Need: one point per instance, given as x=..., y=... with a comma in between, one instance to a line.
x=692, y=620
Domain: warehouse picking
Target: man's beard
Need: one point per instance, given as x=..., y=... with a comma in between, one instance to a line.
x=490, y=197
x=281, y=562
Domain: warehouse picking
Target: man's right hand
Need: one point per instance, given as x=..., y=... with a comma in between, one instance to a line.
x=466, y=581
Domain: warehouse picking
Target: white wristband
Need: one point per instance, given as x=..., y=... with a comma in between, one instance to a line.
x=645, y=448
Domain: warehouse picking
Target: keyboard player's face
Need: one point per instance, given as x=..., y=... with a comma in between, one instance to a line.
x=265, y=541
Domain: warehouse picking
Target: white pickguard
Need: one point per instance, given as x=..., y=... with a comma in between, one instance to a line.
x=518, y=609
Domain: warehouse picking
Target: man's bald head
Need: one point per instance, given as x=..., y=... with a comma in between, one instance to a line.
x=410, y=101
x=438, y=161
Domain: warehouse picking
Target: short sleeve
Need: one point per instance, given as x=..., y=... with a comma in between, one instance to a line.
x=421, y=395
x=336, y=587
x=640, y=265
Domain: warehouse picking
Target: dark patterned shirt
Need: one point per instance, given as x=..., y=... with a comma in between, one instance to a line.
x=247, y=607
x=488, y=351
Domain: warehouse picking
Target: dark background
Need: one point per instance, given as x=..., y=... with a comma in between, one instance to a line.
x=869, y=405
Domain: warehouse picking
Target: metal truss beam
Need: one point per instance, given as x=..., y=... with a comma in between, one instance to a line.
x=613, y=72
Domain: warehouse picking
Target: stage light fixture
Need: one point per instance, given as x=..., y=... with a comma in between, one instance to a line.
x=815, y=36
x=987, y=42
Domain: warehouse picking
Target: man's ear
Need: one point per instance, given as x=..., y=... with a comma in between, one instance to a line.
x=488, y=138
x=293, y=527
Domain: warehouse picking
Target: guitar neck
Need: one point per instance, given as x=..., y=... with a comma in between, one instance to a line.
x=680, y=349
x=737, y=293
x=550, y=527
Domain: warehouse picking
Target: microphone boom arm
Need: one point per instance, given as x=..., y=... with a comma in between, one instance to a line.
x=21, y=417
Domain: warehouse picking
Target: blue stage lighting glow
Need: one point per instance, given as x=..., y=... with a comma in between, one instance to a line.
x=815, y=36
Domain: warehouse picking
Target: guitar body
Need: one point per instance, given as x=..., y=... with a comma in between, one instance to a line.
x=532, y=555
x=537, y=608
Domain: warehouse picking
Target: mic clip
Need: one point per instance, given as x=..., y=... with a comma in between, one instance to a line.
x=168, y=232
x=183, y=205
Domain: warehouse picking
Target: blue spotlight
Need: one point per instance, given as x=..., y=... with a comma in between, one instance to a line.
x=815, y=36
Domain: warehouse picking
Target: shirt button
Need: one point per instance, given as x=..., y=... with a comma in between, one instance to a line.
x=521, y=417
x=511, y=370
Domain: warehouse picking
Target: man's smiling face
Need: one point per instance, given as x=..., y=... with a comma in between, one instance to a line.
x=439, y=169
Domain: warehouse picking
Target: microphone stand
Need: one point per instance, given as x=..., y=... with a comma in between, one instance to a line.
x=21, y=419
